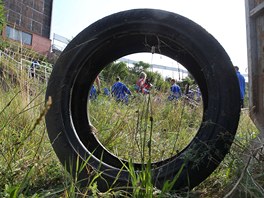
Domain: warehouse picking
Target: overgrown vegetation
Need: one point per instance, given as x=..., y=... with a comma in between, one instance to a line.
x=30, y=168
x=2, y=15
x=171, y=127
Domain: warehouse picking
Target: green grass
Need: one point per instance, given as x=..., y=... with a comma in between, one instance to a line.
x=235, y=164
x=27, y=163
x=30, y=168
x=171, y=126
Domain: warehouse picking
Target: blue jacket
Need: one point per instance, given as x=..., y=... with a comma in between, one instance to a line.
x=176, y=90
x=242, y=84
x=93, y=93
x=120, y=91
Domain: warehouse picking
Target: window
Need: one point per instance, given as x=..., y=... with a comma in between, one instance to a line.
x=18, y=35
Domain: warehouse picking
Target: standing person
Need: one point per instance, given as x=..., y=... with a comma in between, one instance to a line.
x=175, y=90
x=120, y=91
x=33, y=66
x=242, y=86
x=141, y=82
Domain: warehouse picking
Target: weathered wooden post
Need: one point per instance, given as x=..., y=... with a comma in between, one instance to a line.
x=255, y=42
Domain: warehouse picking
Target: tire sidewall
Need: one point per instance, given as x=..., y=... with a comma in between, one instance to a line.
x=98, y=45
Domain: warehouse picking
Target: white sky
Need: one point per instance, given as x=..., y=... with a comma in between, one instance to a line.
x=224, y=19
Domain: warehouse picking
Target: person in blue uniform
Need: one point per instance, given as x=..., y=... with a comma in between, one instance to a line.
x=175, y=91
x=242, y=86
x=93, y=93
x=120, y=91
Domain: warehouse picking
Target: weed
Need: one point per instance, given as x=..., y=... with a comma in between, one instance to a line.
x=146, y=130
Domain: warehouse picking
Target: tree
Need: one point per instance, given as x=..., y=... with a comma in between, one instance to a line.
x=2, y=15
x=111, y=71
x=130, y=75
x=140, y=66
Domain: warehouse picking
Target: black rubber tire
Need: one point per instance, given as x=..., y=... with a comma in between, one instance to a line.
x=132, y=31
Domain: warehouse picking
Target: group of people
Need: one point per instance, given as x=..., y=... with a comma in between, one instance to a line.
x=121, y=92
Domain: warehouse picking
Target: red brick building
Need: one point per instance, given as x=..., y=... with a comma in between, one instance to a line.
x=29, y=22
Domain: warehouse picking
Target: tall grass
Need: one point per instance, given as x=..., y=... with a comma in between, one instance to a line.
x=148, y=129
x=27, y=162
x=236, y=176
x=167, y=125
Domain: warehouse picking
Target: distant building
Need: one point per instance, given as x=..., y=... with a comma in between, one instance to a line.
x=29, y=22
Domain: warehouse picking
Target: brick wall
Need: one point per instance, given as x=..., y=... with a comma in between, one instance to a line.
x=34, y=17
x=41, y=44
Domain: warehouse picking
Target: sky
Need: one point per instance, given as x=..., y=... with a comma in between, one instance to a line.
x=224, y=19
